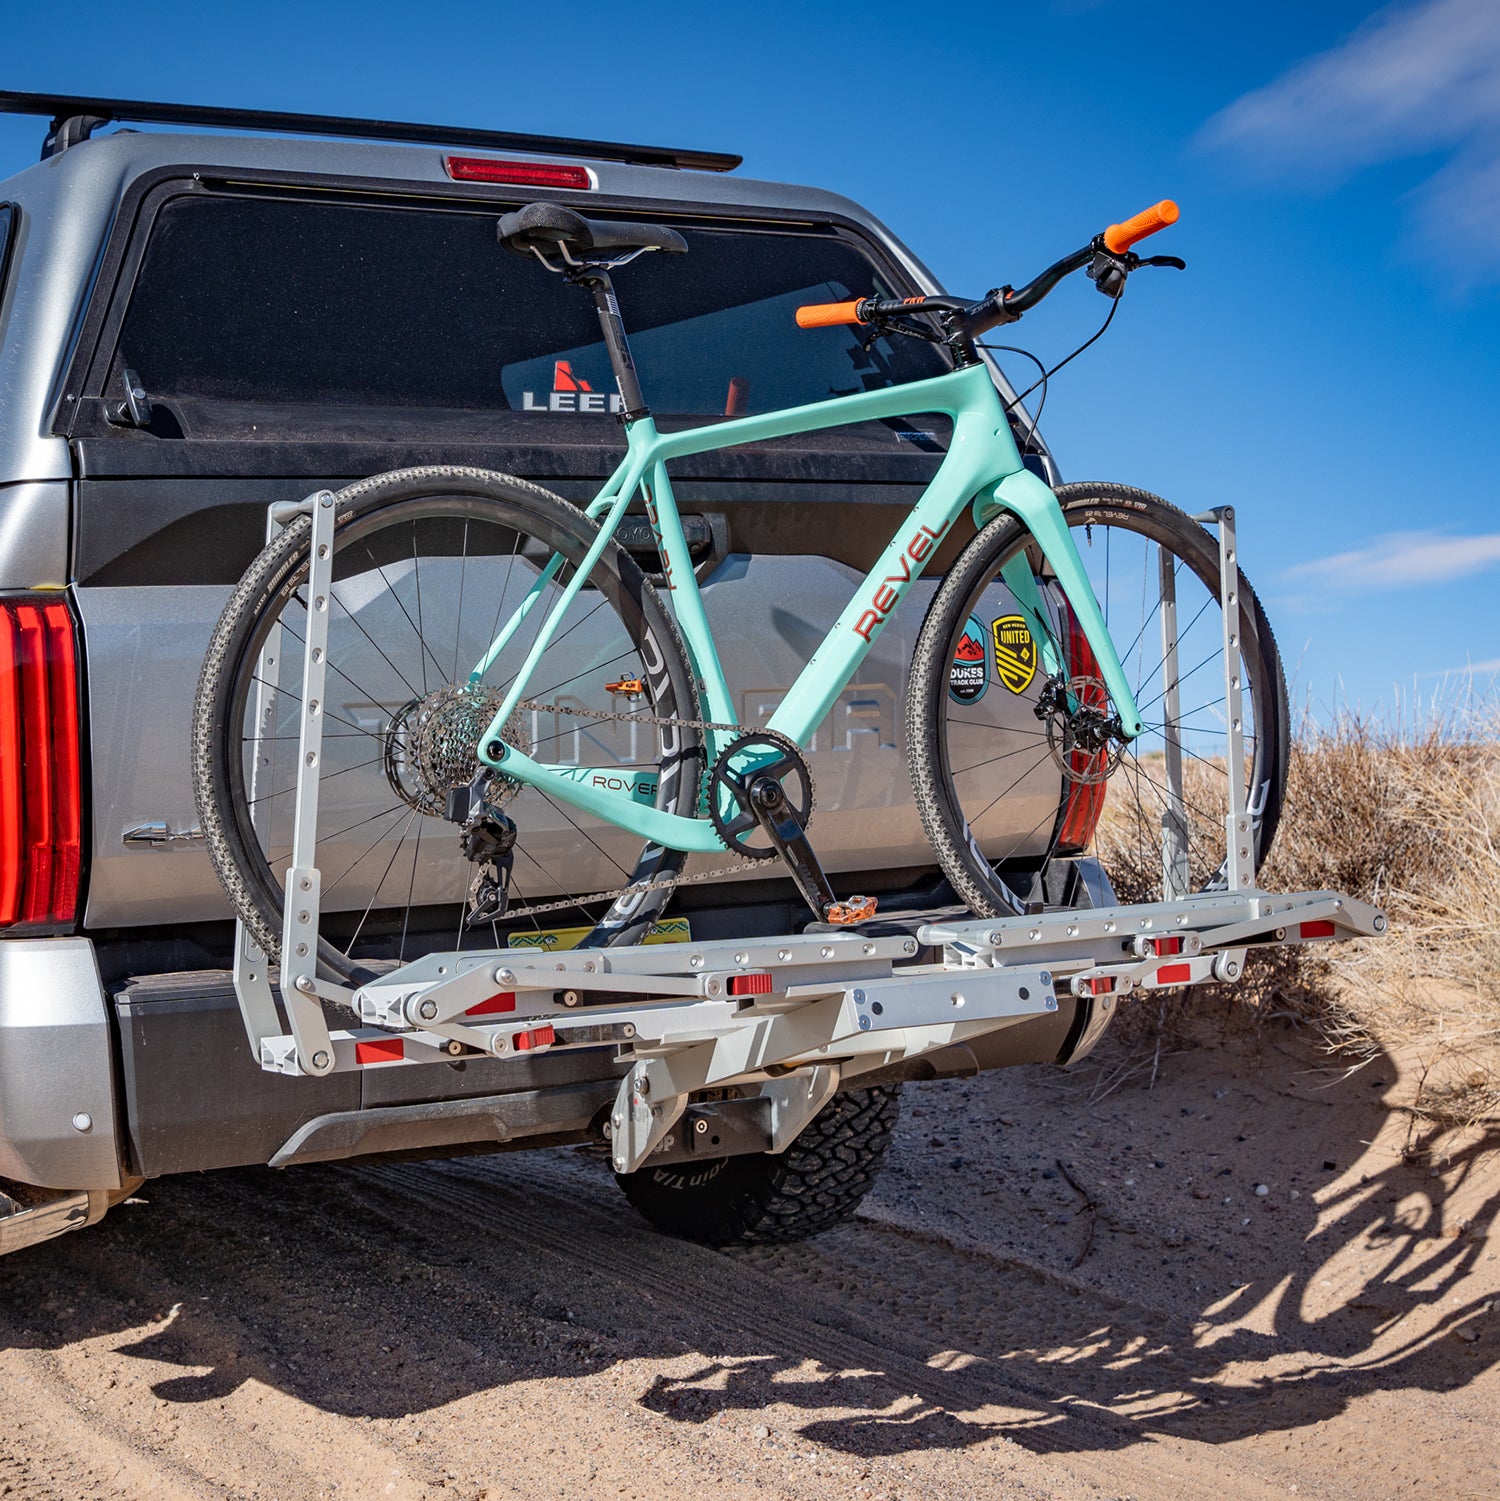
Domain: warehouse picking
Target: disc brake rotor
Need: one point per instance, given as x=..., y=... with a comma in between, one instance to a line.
x=1083, y=731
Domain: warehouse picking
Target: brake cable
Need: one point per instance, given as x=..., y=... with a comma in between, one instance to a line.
x=1042, y=381
x=1047, y=375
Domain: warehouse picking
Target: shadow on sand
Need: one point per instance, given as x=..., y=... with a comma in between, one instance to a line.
x=394, y=1289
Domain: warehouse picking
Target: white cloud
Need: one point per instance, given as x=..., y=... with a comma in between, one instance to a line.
x=1488, y=669
x=1401, y=560
x=1415, y=78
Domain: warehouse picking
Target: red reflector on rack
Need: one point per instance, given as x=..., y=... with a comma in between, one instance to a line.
x=1100, y=984
x=40, y=793
x=1163, y=946
x=505, y=1000
x=385, y=1050
x=537, y=1037
x=1315, y=930
x=1174, y=974
x=749, y=984
x=525, y=174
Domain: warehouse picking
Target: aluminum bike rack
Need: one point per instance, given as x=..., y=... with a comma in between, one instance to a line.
x=791, y=1017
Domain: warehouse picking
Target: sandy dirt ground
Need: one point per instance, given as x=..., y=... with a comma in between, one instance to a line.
x=1065, y=1285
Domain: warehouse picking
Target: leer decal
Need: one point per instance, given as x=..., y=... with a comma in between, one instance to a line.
x=1015, y=652
x=968, y=672
x=571, y=393
x=666, y=930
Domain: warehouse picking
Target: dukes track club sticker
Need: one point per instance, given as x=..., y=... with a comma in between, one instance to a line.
x=968, y=672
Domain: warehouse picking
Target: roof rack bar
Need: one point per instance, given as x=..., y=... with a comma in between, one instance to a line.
x=74, y=119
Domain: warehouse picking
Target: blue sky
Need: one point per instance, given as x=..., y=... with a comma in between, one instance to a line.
x=1328, y=363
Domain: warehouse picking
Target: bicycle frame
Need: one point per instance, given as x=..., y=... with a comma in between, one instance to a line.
x=982, y=468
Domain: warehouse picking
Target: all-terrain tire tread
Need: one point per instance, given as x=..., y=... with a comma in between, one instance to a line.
x=761, y=1199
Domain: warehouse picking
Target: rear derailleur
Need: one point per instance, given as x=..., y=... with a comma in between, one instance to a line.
x=488, y=841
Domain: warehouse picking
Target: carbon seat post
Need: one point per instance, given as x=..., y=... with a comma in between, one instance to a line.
x=596, y=279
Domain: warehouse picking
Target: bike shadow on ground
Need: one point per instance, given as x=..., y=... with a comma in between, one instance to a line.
x=935, y=1321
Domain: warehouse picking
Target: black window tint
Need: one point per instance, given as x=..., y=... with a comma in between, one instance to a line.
x=285, y=300
x=7, y=220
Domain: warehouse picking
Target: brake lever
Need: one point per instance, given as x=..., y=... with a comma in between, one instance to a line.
x=1108, y=271
x=879, y=330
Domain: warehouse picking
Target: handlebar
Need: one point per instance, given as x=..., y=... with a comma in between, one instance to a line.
x=872, y=309
x=968, y=320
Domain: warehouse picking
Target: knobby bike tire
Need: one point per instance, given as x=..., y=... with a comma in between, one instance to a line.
x=437, y=504
x=951, y=750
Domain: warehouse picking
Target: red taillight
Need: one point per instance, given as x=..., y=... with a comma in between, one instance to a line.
x=40, y=823
x=1085, y=800
x=525, y=174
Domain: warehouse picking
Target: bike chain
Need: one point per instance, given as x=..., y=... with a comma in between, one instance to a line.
x=536, y=909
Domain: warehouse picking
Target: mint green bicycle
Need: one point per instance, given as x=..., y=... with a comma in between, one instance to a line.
x=510, y=709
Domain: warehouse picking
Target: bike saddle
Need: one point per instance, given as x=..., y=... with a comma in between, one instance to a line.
x=553, y=229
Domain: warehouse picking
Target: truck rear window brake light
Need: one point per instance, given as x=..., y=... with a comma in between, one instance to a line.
x=40, y=791
x=525, y=174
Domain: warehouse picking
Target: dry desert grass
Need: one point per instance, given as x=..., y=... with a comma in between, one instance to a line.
x=1410, y=821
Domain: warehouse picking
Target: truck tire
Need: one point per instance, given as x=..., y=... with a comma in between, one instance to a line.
x=764, y=1198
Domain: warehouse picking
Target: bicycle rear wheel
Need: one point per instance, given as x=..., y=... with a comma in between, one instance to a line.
x=428, y=565
x=1009, y=794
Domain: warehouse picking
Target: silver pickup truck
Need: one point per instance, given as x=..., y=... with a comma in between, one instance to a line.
x=196, y=323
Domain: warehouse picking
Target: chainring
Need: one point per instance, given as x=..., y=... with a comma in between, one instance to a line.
x=789, y=768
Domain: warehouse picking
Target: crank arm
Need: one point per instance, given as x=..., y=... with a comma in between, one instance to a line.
x=782, y=827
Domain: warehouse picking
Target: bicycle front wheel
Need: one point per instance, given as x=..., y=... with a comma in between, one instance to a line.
x=428, y=566
x=1012, y=788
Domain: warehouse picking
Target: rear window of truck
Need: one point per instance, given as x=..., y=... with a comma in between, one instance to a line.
x=7, y=219
x=287, y=300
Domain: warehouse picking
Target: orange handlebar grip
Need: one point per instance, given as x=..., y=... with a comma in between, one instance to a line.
x=828, y=314
x=1120, y=237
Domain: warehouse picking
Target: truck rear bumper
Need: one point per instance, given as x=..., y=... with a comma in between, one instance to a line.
x=58, y=1108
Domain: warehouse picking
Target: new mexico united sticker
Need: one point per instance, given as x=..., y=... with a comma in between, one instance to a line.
x=968, y=672
x=1015, y=652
